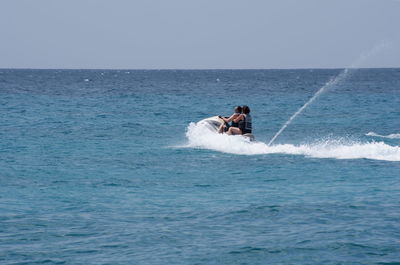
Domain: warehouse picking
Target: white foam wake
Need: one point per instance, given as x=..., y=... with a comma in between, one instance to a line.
x=199, y=136
x=390, y=136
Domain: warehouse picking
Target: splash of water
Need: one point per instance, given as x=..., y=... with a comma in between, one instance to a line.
x=201, y=136
x=341, y=77
x=331, y=83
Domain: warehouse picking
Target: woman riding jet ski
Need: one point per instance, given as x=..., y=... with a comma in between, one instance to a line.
x=225, y=126
x=243, y=120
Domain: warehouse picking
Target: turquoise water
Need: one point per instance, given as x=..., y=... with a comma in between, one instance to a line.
x=109, y=167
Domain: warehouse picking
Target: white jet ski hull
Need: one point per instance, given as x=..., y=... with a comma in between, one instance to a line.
x=215, y=122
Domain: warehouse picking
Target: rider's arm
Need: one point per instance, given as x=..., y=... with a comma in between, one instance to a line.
x=238, y=118
x=230, y=118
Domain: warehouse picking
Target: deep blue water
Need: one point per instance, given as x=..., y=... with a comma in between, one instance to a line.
x=107, y=167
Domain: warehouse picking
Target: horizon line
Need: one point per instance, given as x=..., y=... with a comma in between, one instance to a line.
x=198, y=69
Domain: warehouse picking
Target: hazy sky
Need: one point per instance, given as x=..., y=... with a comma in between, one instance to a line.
x=159, y=34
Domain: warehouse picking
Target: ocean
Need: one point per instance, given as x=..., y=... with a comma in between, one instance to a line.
x=111, y=167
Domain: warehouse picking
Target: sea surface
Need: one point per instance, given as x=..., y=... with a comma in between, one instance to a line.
x=110, y=167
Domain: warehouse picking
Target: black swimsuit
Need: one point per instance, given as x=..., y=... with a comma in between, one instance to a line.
x=233, y=124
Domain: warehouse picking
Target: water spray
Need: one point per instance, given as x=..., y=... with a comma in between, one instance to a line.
x=338, y=79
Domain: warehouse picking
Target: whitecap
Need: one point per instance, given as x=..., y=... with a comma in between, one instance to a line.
x=390, y=136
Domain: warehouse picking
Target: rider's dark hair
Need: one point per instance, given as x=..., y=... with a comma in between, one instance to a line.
x=246, y=109
x=238, y=109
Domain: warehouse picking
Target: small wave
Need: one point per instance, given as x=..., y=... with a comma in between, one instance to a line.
x=390, y=136
x=200, y=136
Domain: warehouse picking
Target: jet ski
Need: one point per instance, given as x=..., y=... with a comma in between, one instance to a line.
x=214, y=122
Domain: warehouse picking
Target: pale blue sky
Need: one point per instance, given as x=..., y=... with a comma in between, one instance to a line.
x=202, y=34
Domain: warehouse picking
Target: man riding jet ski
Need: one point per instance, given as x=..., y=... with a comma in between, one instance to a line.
x=241, y=123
